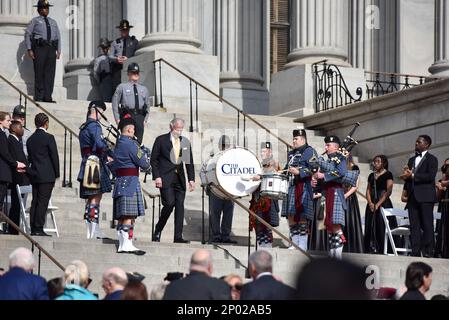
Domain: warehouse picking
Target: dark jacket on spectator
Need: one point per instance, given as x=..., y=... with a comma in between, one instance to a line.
x=266, y=288
x=17, y=284
x=198, y=286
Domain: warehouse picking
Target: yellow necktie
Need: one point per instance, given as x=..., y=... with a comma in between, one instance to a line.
x=176, y=148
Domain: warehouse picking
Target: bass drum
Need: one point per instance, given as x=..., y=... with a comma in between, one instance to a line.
x=229, y=169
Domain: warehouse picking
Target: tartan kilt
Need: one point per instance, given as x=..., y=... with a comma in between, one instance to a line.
x=338, y=212
x=290, y=201
x=129, y=206
x=105, y=184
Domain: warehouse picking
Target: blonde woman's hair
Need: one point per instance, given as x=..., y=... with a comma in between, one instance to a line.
x=76, y=273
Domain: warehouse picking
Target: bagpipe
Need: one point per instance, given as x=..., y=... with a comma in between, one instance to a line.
x=351, y=176
x=114, y=131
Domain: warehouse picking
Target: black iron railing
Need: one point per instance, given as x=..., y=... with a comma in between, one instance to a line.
x=241, y=115
x=34, y=244
x=68, y=133
x=330, y=88
x=381, y=83
x=153, y=198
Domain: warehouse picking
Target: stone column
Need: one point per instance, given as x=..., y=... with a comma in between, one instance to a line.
x=441, y=65
x=93, y=19
x=14, y=18
x=173, y=29
x=240, y=46
x=318, y=31
x=172, y=25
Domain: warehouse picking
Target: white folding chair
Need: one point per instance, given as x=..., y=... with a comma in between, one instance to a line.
x=401, y=230
x=25, y=190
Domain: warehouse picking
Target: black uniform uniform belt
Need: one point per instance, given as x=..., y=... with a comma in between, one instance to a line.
x=127, y=172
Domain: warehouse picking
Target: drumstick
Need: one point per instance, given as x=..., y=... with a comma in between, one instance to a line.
x=246, y=177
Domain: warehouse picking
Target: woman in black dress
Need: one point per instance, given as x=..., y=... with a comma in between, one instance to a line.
x=353, y=228
x=442, y=229
x=378, y=191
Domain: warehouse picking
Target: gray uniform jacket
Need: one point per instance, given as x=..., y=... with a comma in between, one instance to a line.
x=117, y=48
x=101, y=66
x=124, y=96
x=37, y=29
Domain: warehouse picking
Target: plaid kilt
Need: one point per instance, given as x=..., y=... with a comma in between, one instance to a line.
x=129, y=206
x=337, y=215
x=105, y=184
x=290, y=201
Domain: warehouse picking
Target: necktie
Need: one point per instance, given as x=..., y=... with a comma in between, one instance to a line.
x=136, y=98
x=124, y=48
x=48, y=29
x=176, y=148
x=418, y=154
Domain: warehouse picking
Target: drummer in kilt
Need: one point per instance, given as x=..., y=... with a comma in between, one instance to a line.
x=127, y=195
x=94, y=172
x=264, y=207
x=298, y=207
x=334, y=193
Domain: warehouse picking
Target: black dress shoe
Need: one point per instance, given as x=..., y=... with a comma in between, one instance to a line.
x=40, y=234
x=49, y=101
x=181, y=241
x=229, y=241
x=156, y=237
x=136, y=252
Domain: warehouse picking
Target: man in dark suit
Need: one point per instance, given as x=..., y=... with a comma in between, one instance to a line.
x=43, y=171
x=418, y=279
x=15, y=147
x=420, y=183
x=7, y=162
x=18, y=283
x=199, y=284
x=170, y=152
x=264, y=286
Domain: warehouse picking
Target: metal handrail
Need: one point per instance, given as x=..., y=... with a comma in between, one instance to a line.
x=27, y=97
x=402, y=75
x=266, y=224
x=222, y=99
x=33, y=243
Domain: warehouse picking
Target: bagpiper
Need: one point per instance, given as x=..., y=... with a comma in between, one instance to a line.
x=94, y=174
x=127, y=195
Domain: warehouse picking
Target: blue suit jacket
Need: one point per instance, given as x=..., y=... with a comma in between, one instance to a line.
x=17, y=284
x=267, y=288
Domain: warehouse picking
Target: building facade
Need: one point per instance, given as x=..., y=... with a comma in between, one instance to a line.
x=256, y=53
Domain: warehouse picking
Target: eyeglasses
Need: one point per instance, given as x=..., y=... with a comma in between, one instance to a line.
x=237, y=286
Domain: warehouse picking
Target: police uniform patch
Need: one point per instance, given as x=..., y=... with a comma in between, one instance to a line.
x=139, y=153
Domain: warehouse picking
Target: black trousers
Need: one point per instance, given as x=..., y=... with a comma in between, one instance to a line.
x=172, y=197
x=116, y=76
x=421, y=226
x=139, y=127
x=44, y=72
x=106, y=88
x=14, y=212
x=3, y=193
x=39, y=204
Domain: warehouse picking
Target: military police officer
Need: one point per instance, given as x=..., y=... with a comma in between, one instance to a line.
x=127, y=195
x=132, y=98
x=19, y=114
x=43, y=42
x=103, y=70
x=95, y=156
x=123, y=48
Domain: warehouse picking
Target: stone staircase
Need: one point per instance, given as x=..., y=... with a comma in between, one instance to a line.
x=166, y=256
